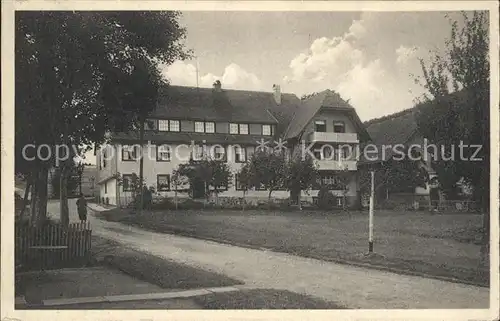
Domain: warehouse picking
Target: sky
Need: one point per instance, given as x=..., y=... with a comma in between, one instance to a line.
x=367, y=57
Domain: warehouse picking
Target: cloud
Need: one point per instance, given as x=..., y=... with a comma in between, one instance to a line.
x=370, y=63
x=404, y=54
x=181, y=73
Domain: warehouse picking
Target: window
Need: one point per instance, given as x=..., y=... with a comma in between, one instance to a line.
x=338, y=127
x=266, y=130
x=240, y=154
x=219, y=153
x=237, y=182
x=244, y=129
x=104, y=158
x=329, y=180
x=233, y=129
x=209, y=127
x=129, y=153
x=163, y=153
x=320, y=126
x=199, y=152
x=199, y=127
x=163, y=125
x=163, y=183
x=127, y=182
x=328, y=152
x=174, y=126
x=346, y=152
x=105, y=187
x=150, y=124
x=317, y=155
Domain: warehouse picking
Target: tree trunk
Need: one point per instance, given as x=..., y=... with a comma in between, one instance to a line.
x=244, y=200
x=25, y=198
x=63, y=196
x=80, y=182
x=269, y=198
x=175, y=197
x=141, y=165
x=34, y=197
x=39, y=212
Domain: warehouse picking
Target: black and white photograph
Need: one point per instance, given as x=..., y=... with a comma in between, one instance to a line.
x=175, y=157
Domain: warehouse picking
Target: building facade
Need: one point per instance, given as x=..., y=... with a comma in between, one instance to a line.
x=230, y=124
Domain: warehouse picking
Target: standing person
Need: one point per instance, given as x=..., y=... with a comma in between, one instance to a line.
x=81, y=204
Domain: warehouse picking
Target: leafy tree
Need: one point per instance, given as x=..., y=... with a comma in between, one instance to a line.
x=395, y=176
x=72, y=181
x=82, y=71
x=220, y=177
x=178, y=180
x=456, y=106
x=212, y=173
x=268, y=169
x=245, y=180
x=301, y=175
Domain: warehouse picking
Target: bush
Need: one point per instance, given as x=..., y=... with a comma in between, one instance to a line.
x=326, y=199
x=164, y=204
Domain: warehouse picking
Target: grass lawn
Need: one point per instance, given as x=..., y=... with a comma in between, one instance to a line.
x=435, y=244
x=155, y=270
x=262, y=299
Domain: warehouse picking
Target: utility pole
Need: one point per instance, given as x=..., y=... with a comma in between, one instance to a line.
x=370, y=219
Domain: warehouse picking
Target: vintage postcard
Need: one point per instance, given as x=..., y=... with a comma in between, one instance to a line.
x=201, y=160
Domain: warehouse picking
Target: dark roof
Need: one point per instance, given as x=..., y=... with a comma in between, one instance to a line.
x=187, y=137
x=178, y=102
x=390, y=130
x=325, y=99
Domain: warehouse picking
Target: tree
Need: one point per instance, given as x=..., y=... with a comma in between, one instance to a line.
x=177, y=180
x=301, y=175
x=245, y=180
x=268, y=169
x=211, y=173
x=455, y=108
x=72, y=182
x=76, y=67
x=220, y=176
x=395, y=176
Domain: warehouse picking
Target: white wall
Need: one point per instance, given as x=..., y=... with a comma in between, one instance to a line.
x=110, y=192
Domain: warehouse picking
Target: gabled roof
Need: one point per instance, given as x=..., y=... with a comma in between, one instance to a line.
x=391, y=130
x=178, y=102
x=326, y=99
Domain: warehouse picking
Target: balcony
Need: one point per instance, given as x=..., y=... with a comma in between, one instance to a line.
x=335, y=165
x=330, y=137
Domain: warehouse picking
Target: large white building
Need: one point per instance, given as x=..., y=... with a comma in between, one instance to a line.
x=231, y=123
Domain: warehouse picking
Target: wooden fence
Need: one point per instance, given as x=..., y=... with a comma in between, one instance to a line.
x=52, y=246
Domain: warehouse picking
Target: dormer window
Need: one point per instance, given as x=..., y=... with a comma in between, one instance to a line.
x=266, y=130
x=199, y=127
x=209, y=127
x=320, y=126
x=241, y=129
x=244, y=129
x=338, y=127
x=233, y=129
x=163, y=125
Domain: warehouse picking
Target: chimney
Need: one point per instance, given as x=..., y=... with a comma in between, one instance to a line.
x=277, y=93
x=217, y=86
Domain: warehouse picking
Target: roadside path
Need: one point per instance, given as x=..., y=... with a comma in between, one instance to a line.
x=351, y=286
